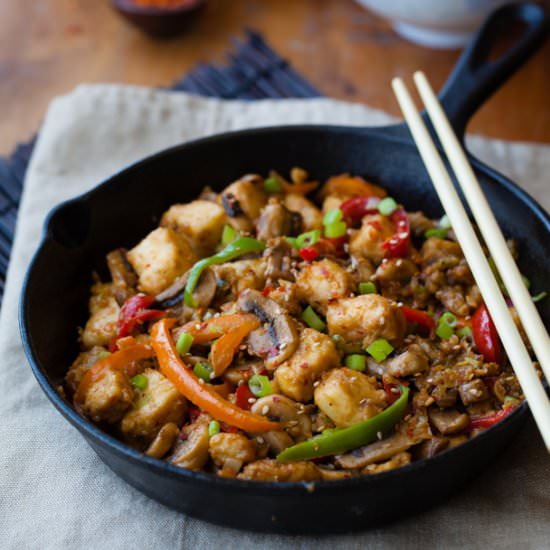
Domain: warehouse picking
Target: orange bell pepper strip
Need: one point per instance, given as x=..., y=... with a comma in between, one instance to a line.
x=120, y=360
x=206, y=331
x=302, y=188
x=353, y=186
x=200, y=394
x=224, y=349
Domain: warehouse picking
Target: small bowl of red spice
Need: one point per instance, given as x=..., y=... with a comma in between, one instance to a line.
x=161, y=18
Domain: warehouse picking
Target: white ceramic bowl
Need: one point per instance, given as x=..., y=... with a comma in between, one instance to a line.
x=445, y=24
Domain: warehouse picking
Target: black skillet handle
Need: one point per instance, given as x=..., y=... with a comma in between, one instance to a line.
x=476, y=77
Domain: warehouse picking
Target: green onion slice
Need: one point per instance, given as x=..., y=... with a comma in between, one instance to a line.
x=333, y=216
x=465, y=331
x=367, y=288
x=213, y=428
x=184, y=343
x=356, y=362
x=103, y=354
x=335, y=230
x=380, y=349
x=203, y=371
x=311, y=319
x=445, y=325
x=272, y=185
x=140, y=381
x=439, y=233
x=309, y=238
x=260, y=385
x=387, y=206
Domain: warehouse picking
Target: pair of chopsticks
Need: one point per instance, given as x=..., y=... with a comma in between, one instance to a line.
x=494, y=300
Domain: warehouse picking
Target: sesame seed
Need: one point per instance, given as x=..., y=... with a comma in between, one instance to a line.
x=252, y=400
x=265, y=410
x=379, y=435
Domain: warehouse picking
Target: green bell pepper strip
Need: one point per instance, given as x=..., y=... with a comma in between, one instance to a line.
x=338, y=441
x=239, y=247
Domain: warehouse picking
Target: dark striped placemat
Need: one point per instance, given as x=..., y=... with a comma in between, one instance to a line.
x=253, y=71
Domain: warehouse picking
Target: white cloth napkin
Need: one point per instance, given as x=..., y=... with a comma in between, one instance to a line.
x=55, y=493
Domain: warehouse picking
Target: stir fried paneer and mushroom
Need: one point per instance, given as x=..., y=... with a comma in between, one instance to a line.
x=286, y=331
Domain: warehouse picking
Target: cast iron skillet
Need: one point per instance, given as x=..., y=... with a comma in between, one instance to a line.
x=123, y=209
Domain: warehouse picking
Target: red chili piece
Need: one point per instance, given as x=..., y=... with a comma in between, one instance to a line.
x=491, y=419
x=243, y=395
x=135, y=312
x=391, y=396
x=420, y=318
x=486, y=336
x=397, y=246
x=355, y=208
x=308, y=253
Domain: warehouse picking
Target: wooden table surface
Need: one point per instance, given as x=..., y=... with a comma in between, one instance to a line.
x=50, y=46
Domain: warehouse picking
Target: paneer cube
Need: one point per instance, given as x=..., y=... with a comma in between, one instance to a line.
x=241, y=275
x=81, y=365
x=158, y=404
x=363, y=319
x=331, y=202
x=160, y=258
x=320, y=283
x=367, y=241
x=316, y=354
x=231, y=451
x=312, y=217
x=201, y=222
x=101, y=326
x=347, y=397
x=107, y=398
x=245, y=196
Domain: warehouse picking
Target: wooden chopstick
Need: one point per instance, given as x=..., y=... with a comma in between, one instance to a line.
x=488, y=286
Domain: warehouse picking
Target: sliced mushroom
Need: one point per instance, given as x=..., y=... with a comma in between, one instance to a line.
x=283, y=409
x=277, y=441
x=411, y=432
x=243, y=370
x=204, y=291
x=473, y=391
x=124, y=277
x=191, y=450
x=281, y=329
x=394, y=462
x=276, y=221
x=278, y=260
x=163, y=441
x=448, y=421
x=431, y=447
x=410, y=362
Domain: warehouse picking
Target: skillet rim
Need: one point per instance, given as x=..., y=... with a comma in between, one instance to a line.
x=394, y=133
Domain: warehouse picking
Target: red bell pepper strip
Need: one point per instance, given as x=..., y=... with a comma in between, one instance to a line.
x=397, y=246
x=485, y=335
x=491, y=419
x=202, y=395
x=420, y=318
x=243, y=395
x=356, y=208
x=135, y=312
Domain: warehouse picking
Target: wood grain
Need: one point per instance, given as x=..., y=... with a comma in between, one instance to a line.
x=50, y=46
